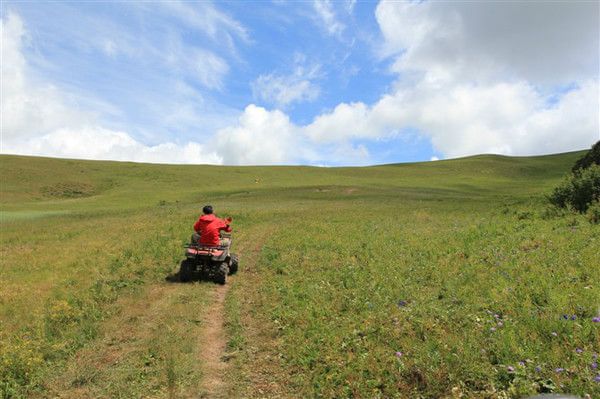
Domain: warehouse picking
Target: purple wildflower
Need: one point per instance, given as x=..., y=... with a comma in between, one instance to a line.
x=402, y=303
x=579, y=350
x=510, y=369
x=594, y=365
x=554, y=334
x=559, y=370
x=399, y=354
x=566, y=317
x=596, y=319
x=597, y=379
x=574, y=317
x=522, y=363
x=538, y=369
x=496, y=315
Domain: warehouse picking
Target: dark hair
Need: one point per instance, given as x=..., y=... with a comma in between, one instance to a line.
x=207, y=210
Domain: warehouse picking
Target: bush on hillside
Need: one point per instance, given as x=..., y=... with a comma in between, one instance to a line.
x=593, y=213
x=579, y=190
x=590, y=158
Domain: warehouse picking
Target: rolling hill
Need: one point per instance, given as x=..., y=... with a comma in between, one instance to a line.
x=435, y=279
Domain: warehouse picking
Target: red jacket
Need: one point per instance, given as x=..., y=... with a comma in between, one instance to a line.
x=208, y=226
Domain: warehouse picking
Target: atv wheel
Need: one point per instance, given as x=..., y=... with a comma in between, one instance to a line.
x=221, y=274
x=233, y=264
x=186, y=270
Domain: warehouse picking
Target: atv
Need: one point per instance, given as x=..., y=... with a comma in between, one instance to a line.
x=207, y=262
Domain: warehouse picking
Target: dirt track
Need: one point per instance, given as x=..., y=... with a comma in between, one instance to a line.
x=167, y=340
x=213, y=342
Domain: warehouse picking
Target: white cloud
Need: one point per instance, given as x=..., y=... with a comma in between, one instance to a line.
x=205, y=17
x=460, y=120
x=542, y=42
x=37, y=118
x=261, y=137
x=94, y=142
x=463, y=80
x=326, y=17
x=207, y=67
x=470, y=76
x=27, y=110
x=284, y=89
x=350, y=4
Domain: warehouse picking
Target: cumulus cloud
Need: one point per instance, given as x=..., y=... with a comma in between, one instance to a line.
x=95, y=142
x=476, y=77
x=541, y=42
x=261, y=137
x=464, y=79
x=504, y=118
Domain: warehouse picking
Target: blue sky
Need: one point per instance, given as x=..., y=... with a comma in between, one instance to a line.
x=312, y=82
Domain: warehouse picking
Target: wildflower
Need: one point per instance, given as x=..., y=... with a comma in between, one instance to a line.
x=496, y=315
x=500, y=324
x=493, y=329
x=579, y=350
x=510, y=369
x=574, y=317
x=597, y=379
x=554, y=334
x=559, y=370
x=594, y=365
x=538, y=369
x=522, y=363
x=402, y=303
x=596, y=319
x=566, y=317
x=399, y=354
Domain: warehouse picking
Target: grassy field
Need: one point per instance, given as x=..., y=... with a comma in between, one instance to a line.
x=441, y=279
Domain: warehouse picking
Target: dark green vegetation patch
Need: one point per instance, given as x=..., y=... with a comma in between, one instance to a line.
x=68, y=190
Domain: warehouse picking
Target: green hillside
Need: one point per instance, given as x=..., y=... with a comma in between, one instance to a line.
x=438, y=279
x=32, y=182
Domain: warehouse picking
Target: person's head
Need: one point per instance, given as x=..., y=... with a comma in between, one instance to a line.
x=207, y=210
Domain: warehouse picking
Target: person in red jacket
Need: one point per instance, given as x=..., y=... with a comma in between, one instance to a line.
x=209, y=226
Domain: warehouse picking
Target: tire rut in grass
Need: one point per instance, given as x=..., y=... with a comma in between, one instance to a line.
x=217, y=369
x=138, y=349
x=213, y=343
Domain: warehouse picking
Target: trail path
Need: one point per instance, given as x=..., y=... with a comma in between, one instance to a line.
x=214, y=338
x=213, y=343
x=167, y=340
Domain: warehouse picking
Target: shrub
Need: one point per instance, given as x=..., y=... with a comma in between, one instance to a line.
x=579, y=190
x=593, y=213
x=590, y=158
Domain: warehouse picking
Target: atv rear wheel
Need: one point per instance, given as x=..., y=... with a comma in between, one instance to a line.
x=233, y=264
x=186, y=270
x=221, y=274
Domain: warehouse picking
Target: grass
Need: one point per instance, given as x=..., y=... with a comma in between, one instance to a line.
x=454, y=264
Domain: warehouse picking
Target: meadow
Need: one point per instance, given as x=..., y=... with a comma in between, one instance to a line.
x=446, y=279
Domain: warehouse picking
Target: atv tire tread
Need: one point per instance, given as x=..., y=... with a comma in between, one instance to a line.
x=221, y=274
x=234, y=263
x=186, y=270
